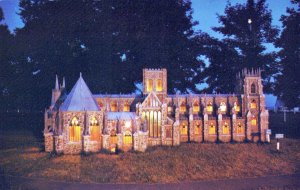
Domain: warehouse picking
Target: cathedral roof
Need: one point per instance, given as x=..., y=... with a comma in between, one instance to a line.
x=120, y=115
x=80, y=98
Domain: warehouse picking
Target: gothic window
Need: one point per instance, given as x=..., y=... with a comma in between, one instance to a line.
x=236, y=107
x=225, y=129
x=170, y=109
x=253, y=104
x=74, y=130
x=253, y=88
x=113, y=106
x=126, y=107
x=159, y=85
x=94, y=129
x=153, y=119
x=149, y=85
x=212, y=129
x=196, y=107
x=223, y=107
x=127, y=138
x=209, y=107
x=253, y=121
x=184, y=130
x=239, y=129
x=113, y=137
x=197, y=129
x=182, y=108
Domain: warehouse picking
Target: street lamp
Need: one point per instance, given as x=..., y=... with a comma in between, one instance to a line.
x=249, y=22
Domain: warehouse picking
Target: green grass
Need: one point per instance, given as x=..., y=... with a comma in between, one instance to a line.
x=21, y=154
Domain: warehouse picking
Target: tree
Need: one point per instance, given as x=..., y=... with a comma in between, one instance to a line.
x=6, y=67
x=246, y=28
x=108, y=41
x=288, y=82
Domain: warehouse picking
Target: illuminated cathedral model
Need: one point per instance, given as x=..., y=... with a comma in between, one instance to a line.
x=84, y=122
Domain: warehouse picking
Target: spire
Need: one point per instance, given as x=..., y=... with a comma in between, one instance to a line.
x=64, y=83
x=56, y=83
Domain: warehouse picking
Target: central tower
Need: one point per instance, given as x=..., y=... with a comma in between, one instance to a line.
x=155, y=80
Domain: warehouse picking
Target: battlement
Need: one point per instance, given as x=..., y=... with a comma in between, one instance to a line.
x=249, y=73
x=154, y=69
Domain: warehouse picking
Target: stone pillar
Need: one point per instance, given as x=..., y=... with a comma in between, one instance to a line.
x=105, y=139
x=86, y=144
x=48, y=142
x=120, y=140
x=248, y=127
x=143, y=141
x=191, y=125
x=59, y=144
x=176, y=133
x=136, y=141
x=205, y=127
x=220, y=124
x=264, y=123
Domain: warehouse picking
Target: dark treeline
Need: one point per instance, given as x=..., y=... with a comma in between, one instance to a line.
x=110, y=42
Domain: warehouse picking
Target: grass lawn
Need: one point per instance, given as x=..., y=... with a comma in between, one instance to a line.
x=21, y=154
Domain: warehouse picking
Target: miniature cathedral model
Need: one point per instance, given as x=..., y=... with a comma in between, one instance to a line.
x=84, y=122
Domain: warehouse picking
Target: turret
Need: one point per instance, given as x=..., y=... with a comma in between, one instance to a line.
x=55, y=92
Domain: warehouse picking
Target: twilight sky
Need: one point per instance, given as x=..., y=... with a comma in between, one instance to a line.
x=204, y=12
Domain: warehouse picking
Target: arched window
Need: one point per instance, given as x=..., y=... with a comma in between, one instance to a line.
x=159, y=86
x=153, y=119
x=225, y=129
x=127, y=139
x=253, y=104
x=197, y=129
x=113, y=106
x=182, y=108
x=236, y=107
x=74, y=130
x=239, y=129
x=94, y=129
x=196, y=107
x=113, y=137
x=126, y=107
x=170, y=110
x=253, y=88
x=253, y=121
x=149, y=85
x=223, y=107
x=209, y=107
x=212, y=129
x=184, y=130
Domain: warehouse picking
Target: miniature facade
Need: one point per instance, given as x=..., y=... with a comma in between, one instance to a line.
x=84, y=122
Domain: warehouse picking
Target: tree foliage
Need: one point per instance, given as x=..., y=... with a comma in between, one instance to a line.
x=243, y=45
x=110, y=42
x=288, y=82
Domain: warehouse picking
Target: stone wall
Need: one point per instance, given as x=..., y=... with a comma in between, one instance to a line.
x=49, y=143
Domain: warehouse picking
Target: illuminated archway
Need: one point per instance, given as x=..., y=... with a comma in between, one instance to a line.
x=74, y=130
x=94, y=129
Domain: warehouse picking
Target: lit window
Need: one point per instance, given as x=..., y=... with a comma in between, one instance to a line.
x=159, y=85
x=170, y=109
x=127, y=138
x=196, y=108
x=236, y=107
x=113, y=137
x=239, y=129
x=184, y=130
x=197, y=129
x=223, y=107
x=253, y=89
x=113, y=106
x=126, y=107
x=94, y=129
x=149, y=85
x=74, y=130
x=209, y=107
x=253, y=122
x=182, y=108
x=226, y=129
x=253, y=104
x=153, y=122
x=212, y=129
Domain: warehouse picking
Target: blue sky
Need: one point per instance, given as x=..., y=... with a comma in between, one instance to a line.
x=204, y=12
